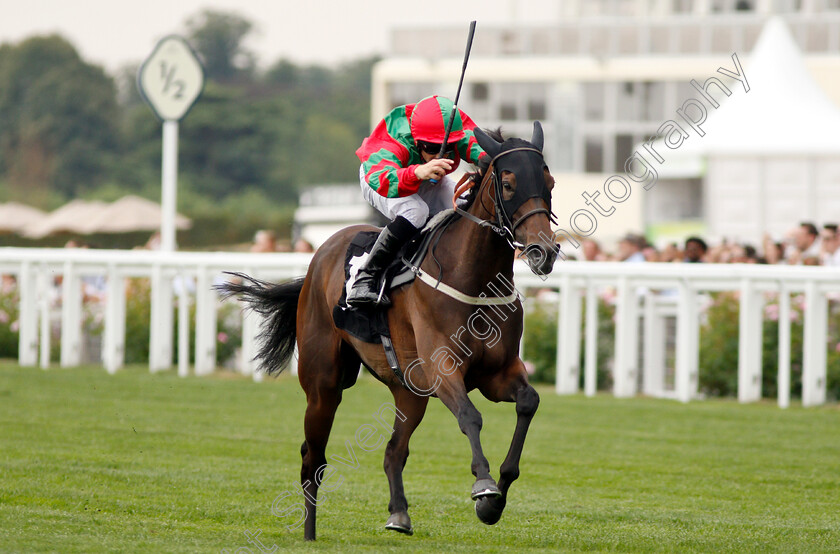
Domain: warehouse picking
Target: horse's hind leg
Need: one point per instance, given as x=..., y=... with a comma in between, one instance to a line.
x=320, y=372
x=509, y=386
x=320, y=412
x=410, y=411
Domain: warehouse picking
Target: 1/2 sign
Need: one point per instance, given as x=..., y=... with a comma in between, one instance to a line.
x=171, y=78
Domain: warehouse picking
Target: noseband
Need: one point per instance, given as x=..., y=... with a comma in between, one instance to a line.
x=504, y=226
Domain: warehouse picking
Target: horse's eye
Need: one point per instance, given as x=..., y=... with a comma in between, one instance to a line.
x=507, y=185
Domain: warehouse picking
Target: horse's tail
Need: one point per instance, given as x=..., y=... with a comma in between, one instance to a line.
x=278, y=304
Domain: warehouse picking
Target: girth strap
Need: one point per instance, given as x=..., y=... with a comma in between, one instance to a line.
x=482, y=300
x=391, y=358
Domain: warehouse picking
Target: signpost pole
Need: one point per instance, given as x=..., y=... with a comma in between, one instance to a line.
x=170, y=80
x=170, y=180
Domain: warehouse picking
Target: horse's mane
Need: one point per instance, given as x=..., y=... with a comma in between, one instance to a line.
x=478, y=177
x=495, y=134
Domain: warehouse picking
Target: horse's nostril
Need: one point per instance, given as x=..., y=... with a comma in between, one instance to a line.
x=541, y=259
x=538, y=253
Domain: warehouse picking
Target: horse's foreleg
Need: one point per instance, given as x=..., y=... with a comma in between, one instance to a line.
x=453, y=394
x=527, y=401
x=411, y=409
x=514, y=388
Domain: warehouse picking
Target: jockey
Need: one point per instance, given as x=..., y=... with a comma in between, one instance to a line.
x=399, y=162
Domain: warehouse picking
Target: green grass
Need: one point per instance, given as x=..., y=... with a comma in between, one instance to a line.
x=152, y=463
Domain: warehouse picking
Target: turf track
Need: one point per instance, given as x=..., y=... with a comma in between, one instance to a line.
x=152, y=463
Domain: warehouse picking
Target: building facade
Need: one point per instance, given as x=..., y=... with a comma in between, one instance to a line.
x=603, y=76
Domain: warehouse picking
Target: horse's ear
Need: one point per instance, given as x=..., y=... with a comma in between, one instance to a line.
x=537, y=138
x=487, y=142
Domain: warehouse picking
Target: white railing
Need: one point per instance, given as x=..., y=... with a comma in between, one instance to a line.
x=633, y=284
x=169, y=274
x=684, y=282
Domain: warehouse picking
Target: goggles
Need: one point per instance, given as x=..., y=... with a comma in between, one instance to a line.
x=432, y=148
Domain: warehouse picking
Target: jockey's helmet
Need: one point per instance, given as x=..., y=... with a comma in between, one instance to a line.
x=430, y=118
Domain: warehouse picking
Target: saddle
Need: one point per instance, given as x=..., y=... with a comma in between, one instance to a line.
x=371, y=325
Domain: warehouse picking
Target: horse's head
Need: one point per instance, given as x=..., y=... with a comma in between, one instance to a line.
x=521, y=194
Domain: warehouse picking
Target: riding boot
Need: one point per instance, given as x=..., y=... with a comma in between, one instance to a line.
x=365, y=291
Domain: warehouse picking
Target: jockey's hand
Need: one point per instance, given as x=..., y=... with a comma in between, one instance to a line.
x=434, y=169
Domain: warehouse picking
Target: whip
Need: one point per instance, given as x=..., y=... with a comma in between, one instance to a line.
x=457, y=96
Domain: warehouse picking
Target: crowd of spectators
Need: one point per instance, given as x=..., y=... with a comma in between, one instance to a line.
x=803, y=245
x=265, y=240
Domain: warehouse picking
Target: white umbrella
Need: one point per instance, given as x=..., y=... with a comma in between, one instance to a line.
x=15, y=216
x=72, y=217
x=131, y=213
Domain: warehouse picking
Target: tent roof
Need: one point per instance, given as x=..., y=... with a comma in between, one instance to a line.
x=784, y=112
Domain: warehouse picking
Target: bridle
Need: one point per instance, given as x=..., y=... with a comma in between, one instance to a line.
x=503, y=225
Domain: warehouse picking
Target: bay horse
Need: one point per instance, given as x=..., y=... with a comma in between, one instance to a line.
x=510, y=209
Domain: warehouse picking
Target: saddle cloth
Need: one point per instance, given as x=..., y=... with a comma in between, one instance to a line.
x=370, y=324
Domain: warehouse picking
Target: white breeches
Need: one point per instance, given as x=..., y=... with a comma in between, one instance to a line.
x=427, y=201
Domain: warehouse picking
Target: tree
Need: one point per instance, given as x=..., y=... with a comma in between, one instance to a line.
x=329, y=151
x=229, y=140
x=218, y=37
x=58, y=118
x=67, y=130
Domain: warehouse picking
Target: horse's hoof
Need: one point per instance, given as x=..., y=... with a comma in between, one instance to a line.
x=400, y=522
x=489, y=509
x=485, y=487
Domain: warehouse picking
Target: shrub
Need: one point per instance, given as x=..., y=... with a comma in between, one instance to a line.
x=138, y=314
x=9, y=321
x=540, y=346
x=229, y=336
x=138, y=318
x=719, y=347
